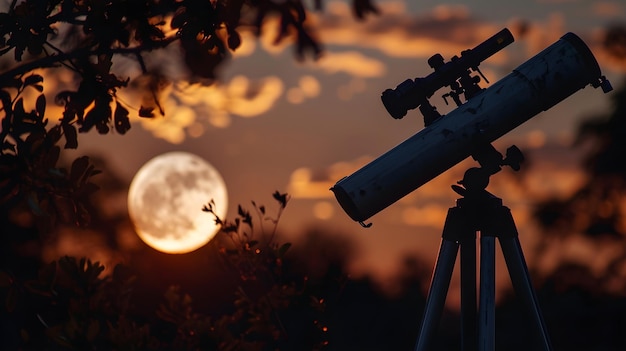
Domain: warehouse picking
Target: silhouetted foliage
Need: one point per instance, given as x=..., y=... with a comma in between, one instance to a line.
x=615, y=41
x=281, y=299
x=29, y=160
x=597, y=207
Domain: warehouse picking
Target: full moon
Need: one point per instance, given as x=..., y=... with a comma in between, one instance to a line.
x=165, y=201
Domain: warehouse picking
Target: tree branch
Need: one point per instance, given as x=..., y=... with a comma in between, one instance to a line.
x=52, y=60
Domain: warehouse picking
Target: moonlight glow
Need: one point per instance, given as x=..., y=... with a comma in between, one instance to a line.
x=165, y=202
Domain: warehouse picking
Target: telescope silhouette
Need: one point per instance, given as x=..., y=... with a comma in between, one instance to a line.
x=538, y=84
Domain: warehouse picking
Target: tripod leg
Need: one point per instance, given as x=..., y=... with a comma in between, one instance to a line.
x=487, y=308
x=468, y=293
x=438, y=292
x=516, y=264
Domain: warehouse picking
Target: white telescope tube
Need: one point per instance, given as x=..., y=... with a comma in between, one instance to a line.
x=546, y=79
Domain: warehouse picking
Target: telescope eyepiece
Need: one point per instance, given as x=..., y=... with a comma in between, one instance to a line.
x=393, y=104
x=397, y=100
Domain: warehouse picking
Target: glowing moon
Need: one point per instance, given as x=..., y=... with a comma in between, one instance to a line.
x=165, y=202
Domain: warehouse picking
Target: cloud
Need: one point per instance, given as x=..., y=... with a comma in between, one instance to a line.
x=450, y=29
x=323, y=210
x=351, y=62
x=446, y=29
x=305, y=184
x=536, y=36
x=188, y=105
x=308, y=87
x=354, y=86
x=269, y=33
x=250, y=100
x=609, y=48
x=607, y=9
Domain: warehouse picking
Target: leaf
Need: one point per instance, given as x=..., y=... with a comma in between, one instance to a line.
x=64, y=97
x=180, y=18
x=102, y=127
x=79, y=166
x=120, y=118
x=98, y=116
x=6, y=145
x=234, y=40
x=5, y=98
x=18, y=109
x=54, y=134
x=362, y=8
x=245, y=215
x=305, y=43
x=281, y=198
x=146, y=112
x=65, y=208
x=40, y=106
x=283, y=249
x=32, y=79
x=71, y=136
x=19, y=51
x=51, y=157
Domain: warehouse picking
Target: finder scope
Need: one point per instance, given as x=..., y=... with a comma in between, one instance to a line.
x=455, y=74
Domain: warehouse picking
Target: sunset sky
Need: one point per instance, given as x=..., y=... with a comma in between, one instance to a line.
x=274, y=123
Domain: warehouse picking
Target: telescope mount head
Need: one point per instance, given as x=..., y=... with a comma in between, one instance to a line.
x=476, y=179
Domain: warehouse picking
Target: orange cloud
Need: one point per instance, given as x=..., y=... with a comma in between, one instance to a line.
x=447, y=29
x=609, y=9
x=304, y=184
x=186, y=105
x=351, y=62
x=308, y=87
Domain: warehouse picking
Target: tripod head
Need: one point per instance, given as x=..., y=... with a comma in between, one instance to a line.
x=476, y=179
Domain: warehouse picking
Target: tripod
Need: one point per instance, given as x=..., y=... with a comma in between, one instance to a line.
x=478, y=211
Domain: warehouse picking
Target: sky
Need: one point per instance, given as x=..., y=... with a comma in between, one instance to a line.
x=276, y=123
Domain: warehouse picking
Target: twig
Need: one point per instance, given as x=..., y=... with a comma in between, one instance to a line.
x=50, y=61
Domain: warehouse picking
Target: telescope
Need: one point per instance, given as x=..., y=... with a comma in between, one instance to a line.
x=538, y=84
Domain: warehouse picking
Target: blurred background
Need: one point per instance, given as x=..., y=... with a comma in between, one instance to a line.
x=272, y=122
